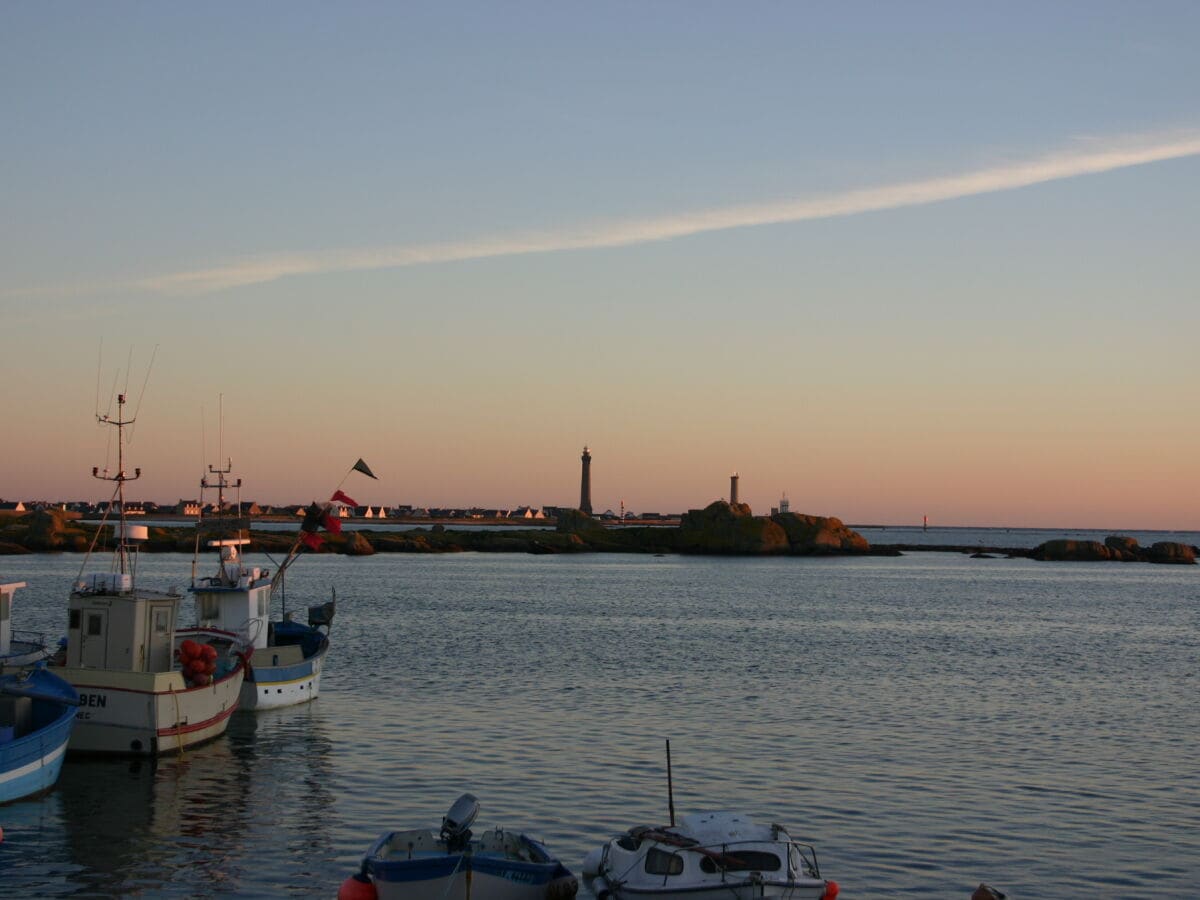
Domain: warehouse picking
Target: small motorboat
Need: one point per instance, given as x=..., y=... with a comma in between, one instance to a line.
x=452, y=864
x=721, y=855
x=37, y=712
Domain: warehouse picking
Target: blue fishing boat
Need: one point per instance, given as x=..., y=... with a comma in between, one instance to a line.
x=288, y=656
x=452, y=864
x=37, y=712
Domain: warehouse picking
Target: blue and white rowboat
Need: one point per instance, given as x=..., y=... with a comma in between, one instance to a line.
x=422, y=864
x=37, y=712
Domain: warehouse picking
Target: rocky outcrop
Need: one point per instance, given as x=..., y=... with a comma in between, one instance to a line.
x=576, y=521
x=722, y=527
x=357, y=545
x=1173, y=553
x=1122, y=548
x=819, y=534
x=48, y=531
x=1117, y=548
x=1065, y=550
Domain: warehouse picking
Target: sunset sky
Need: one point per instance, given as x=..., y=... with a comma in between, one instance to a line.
x=892, y=259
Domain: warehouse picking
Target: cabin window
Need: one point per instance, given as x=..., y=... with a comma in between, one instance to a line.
x=162, y=621
x=95, y=625
x=659, y=862
x=210, y=607
x=73, y=620
x=741, y=861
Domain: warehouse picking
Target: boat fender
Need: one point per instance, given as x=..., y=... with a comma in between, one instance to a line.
x=357, y=887
x=600, y=889
x=562, y=888
x=831, y=891
x=591, y=862
x=245, y=658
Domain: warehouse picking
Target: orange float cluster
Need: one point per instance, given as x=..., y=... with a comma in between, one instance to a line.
x=198, y=662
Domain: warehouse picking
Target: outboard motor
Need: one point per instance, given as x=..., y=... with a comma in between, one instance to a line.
x=456, y=824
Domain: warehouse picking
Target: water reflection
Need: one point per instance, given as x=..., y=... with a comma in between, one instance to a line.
x=135, y=826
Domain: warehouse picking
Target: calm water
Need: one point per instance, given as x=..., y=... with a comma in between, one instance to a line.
x=928, y=721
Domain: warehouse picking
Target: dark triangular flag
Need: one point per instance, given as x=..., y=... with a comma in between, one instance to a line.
x=361, y=466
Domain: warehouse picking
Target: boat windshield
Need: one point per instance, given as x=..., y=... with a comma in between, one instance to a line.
x=741, y=861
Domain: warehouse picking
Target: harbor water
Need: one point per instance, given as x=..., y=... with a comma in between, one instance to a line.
x=928, y=721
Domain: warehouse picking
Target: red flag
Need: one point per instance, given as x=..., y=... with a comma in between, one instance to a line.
x=311, y=540
x=339, y=497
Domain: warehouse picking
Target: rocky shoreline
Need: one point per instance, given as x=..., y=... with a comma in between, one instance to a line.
x=720, y=529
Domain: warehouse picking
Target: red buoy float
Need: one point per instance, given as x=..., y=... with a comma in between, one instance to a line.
x=357, y=887
x=831, y=891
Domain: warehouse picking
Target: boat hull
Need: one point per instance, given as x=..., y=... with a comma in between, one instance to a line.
x=270, y=686
x=148, y=713
x=475, y=883
x=742, y=891
x=31, y=764
x=23, y=653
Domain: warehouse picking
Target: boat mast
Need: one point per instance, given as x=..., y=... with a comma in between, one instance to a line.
x=670, y=786
x=120, y=478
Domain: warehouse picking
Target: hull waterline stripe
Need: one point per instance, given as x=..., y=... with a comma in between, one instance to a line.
x=199, y=726
x=34, y=766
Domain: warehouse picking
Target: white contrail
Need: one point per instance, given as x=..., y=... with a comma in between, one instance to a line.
x=1115, y=154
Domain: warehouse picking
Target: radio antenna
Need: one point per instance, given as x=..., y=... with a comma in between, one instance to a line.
x=670, y=785
x=99, y=361
x=145, y=382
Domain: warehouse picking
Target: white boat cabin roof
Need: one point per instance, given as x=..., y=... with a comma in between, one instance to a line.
x=709, y=828
x=229, y=542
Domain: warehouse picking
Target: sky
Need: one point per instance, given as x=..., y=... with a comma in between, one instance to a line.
x=891, y=260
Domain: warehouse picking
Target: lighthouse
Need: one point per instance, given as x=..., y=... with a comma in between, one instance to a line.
x=733, y=489
x=585, y=483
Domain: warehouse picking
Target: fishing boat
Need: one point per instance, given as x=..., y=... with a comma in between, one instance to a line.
x=288, y=655
x=17, y=648
x=144, y=688
x=37, y=712
x=453, y=864
x=710, y=854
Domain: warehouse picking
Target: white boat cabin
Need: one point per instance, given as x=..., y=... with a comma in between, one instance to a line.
x=6, y=598
x=112, y=626
x=237, y=598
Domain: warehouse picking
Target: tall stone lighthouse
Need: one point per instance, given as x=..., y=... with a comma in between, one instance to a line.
x=585, y=483
x=733, y=489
